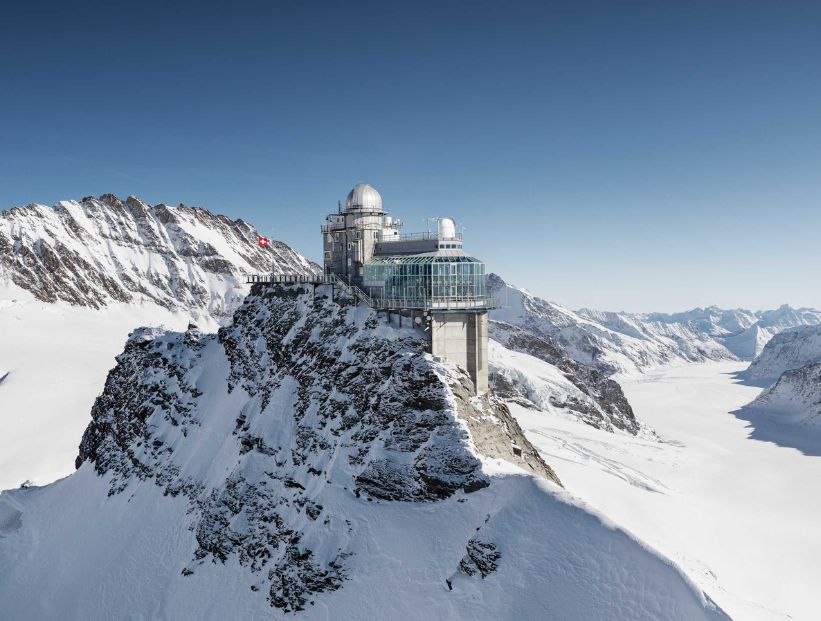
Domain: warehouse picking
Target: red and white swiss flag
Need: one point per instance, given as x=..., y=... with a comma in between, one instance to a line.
x=263, y=242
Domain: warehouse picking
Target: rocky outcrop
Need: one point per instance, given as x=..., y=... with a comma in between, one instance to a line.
x=314, y=396
x=311, y=460
x=597, y=401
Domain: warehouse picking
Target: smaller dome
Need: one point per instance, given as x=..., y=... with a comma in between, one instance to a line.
x=447, y=228
x=364, y=197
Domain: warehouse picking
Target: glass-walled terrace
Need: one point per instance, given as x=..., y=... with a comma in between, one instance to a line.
x=426, y=282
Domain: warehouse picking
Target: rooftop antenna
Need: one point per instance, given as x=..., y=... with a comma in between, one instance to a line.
x=338, y=206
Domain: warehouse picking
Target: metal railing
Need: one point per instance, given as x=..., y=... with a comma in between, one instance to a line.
x=444, y=303
x=288, y=279
x=436, y=303
x=428, y=235
x=351, y=289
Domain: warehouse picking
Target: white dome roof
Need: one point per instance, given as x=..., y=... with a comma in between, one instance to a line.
x=364, y=197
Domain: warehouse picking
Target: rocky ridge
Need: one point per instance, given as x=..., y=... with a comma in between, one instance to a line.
x=597, y=399
x=104, y=250
x=364, y=410
x=311, y=459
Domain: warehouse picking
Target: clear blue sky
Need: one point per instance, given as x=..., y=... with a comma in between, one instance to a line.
x=617, y=155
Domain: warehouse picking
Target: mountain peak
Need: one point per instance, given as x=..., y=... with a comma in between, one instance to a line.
x=100, y=251
x=310, y=457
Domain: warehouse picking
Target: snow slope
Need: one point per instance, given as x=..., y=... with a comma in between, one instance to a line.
x=791, y=363
x=56, y=357
x=739, y=515
x=311, y=459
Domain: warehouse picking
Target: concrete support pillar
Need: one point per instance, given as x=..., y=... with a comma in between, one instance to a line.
x=461, y=337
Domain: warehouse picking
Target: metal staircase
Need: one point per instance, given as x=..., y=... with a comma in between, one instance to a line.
x=351, y=289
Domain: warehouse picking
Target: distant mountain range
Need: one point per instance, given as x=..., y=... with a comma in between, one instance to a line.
x=633, y=342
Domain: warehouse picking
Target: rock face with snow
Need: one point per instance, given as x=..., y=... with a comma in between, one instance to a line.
x=795, y=397
x=101, y=250
x=791, y=349
x=534, y=372
x=791, y=362
x=311, y=459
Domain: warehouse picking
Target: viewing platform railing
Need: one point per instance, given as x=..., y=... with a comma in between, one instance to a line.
x=437, y=303
x=425, y=236
x=289, y=279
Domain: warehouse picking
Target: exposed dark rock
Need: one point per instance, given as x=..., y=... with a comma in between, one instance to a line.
x=480, y=559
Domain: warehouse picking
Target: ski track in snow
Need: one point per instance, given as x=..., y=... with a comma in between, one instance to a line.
x=738, y=514
x=575, y=445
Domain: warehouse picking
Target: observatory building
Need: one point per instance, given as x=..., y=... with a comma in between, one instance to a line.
x=425, y=278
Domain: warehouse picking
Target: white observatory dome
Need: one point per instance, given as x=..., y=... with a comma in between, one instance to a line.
x=364, y=197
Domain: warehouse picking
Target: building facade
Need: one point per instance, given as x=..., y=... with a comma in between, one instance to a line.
x=426, y=277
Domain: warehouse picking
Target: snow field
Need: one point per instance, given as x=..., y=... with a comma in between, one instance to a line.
x=739, y=515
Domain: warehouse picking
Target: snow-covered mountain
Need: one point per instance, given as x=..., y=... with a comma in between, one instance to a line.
x=75, y=279
x=102, y=250
x=791, y=364
x=630, y=342
x=310, y=459
x=795, y=397
x=790, y=349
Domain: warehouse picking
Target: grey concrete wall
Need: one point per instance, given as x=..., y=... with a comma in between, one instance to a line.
x=462, y=338
x=416, y=246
